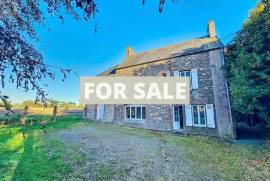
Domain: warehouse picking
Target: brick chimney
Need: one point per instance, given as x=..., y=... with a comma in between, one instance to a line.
x=211, y=29
x=129, y=51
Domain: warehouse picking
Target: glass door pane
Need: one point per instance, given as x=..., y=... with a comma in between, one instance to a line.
x=176, y=113
x=195, y=115
x=202, y=115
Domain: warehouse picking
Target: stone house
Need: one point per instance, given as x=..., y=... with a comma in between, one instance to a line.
x=200, y=59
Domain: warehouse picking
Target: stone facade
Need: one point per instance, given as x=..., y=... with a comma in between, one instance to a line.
x=108, y=113
x=221, y=95
x=91, y=111
x=212, y=87
x=160, y=117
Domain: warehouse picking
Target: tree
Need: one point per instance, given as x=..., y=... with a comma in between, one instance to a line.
x=6, y=104
x=20, y=62
x=32, y=104
x=54, y=112
x=248, y=67
x=67, y=105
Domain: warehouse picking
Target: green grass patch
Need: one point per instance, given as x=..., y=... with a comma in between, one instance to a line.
x=34, y=158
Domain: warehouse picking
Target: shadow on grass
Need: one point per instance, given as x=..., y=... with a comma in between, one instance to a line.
x=22, y=171
x=34, y=158
x=41, y=160
x=10, y=146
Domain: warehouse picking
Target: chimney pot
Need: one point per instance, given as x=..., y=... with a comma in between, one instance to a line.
x=129, y=51
x=211, y=29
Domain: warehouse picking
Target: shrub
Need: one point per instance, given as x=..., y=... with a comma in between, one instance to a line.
x=9, y=119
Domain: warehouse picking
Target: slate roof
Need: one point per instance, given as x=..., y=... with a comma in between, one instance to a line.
x=186, y=48
x=181, y=49
x=109, y=71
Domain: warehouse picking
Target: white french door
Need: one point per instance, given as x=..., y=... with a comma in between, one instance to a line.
x=177, y=117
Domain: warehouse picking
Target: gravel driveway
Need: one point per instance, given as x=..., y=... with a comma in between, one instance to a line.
x=115, y=153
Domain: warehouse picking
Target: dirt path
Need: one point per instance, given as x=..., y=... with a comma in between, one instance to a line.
x=117, y=154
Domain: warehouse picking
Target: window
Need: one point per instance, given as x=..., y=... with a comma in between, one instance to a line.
x=186, y=73
x=199, y=115
x=128, y=112
x=133, y=116
x=138, y=112
x=135, y=112
x=143, y=112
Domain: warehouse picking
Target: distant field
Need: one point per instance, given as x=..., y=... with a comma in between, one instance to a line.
x=45, y=111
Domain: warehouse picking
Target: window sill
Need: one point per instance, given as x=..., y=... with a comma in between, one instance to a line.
x=199, y=126
x=134, y=120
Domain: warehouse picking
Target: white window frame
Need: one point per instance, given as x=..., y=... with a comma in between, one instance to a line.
x=136, y=106
x=190, y=75
x=199, y=118
x=185, y=72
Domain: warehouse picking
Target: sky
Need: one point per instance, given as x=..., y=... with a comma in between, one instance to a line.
x=74, y=44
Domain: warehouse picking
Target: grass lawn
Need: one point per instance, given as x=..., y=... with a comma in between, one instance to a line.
x=38, y=158
x=34, y=158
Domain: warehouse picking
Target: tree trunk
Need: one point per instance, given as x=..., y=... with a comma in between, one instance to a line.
x=54, y=113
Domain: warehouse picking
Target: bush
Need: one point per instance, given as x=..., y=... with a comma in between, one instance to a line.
x=9, y=119
x=35, y=120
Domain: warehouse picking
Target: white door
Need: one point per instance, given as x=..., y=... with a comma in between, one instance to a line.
x=176, y=118
x=100, y=111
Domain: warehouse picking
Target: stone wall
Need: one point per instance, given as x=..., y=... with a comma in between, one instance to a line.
x=108, y=113
x=159, y=117
x=221, y=97
x=91, y=112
